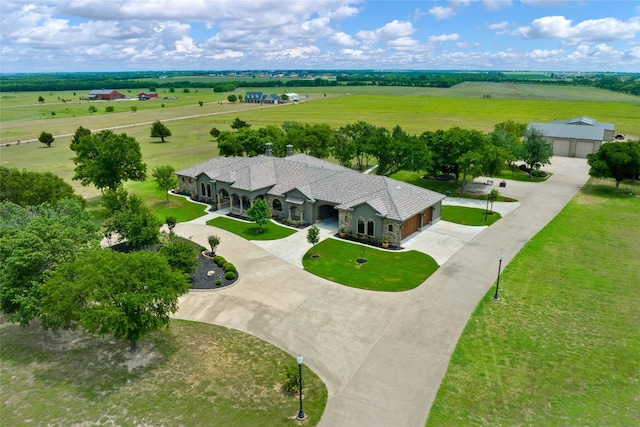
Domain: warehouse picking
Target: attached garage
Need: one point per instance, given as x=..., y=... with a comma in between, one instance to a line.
x=410, y=226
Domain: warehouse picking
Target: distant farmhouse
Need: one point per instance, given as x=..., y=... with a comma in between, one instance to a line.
x=304, y=190
x=576, y=137
x=262, y=98
x=107, y=94
x=147, y=95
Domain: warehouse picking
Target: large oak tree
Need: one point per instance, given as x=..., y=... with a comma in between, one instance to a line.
x=108, y=292
x=105, y=160
x=617, y=160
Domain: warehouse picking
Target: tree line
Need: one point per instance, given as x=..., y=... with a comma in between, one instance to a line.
x=460, y=153
x=623, y=82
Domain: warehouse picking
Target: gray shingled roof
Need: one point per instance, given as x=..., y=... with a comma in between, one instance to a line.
x=318, y=180
x=586, y=121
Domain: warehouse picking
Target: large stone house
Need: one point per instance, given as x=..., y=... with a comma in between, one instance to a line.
x=575, y=137
x=304, y=190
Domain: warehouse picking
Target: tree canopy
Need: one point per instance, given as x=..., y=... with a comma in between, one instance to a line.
x=536, y=151
x=46, y=138
x=130, y=219
x=617, y=160
x=105, y=160
x=78, y=135
x=27, y=188
x=159, y=130
x=34, y=240
x=107, y=292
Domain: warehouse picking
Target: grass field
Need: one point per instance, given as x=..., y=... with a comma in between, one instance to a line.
x=468, y=216
x=193, y=374
x=250, y=230
x=561, y=347
x=384, y=270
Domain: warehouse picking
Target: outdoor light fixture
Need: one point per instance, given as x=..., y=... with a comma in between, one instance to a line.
x=495, y=297
x=486, y=209
x=301, y=414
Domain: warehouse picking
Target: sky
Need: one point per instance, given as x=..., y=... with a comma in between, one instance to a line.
x=214, y=35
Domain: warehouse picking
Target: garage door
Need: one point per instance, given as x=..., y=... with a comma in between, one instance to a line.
x=411, y=225
x=584, y=148
x=561, y=147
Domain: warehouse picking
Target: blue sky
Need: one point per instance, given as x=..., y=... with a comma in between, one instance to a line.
x=123, y=35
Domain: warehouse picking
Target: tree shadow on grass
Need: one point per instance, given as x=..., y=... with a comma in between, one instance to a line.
x=90, y=365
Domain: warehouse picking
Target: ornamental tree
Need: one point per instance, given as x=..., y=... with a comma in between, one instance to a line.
x=260, y=213
x=313, y=237
x=535, y=151
x=165, y=178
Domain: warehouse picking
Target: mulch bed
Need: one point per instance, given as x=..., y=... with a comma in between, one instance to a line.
x=201, y=280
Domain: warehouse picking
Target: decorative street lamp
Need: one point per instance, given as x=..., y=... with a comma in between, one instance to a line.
x=486, y=210
x=301, y=414
x=495, y=297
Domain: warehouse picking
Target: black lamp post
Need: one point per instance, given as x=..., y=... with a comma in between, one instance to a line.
x=486, y=209
x=301, y=414
x=495, y=297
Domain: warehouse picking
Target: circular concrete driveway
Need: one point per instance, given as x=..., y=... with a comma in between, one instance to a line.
x=381, y=355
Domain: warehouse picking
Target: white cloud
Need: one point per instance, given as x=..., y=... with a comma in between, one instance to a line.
x=441, y=12
x=342, y=39
x=389, y=31
x=498, y=25
x=592, y=30
x=444, y=38
x=298, y=52
x=403, y=43
x=227, y=54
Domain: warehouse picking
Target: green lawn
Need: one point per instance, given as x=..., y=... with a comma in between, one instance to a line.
x=250, y=230
x=469, y=216
x=181, y=208
x=384, y=270
x=192, y=374
x=561, y=347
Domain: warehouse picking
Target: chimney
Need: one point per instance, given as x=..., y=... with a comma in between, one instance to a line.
x=289, y=150
x=268, y=151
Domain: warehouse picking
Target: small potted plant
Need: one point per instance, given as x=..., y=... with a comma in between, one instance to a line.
x=341, y=232
x=385, y=242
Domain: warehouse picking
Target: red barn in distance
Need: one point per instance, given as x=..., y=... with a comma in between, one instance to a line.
x=107, y=94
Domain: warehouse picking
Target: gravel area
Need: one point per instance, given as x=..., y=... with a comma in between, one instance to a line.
x=201, y=280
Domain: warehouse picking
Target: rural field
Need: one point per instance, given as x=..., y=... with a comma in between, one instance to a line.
x=557, y=350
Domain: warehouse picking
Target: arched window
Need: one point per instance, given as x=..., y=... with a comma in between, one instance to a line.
x=277, y=205
x=390, y=227
x=371, y=225
x=202, y=189
x=209, y=190
x=224, y=195
x=360, y=225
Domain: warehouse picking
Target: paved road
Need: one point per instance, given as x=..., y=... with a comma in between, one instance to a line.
x=381, y=355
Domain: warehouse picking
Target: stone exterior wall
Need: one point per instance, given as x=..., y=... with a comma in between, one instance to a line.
x=394, y=236
x=187, y=185
x=345, y=220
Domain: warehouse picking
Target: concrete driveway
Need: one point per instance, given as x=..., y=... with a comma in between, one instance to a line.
x=381, y=355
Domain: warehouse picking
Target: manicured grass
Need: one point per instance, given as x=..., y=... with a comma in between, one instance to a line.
x=179, y=207
x=561, y=347
x=518, y=175
x=384, y=270
x=250, y=230
x=192, y=374
x=468, y=216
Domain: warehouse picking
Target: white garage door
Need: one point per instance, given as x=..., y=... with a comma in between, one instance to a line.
x=561, y=147
x=584, y=148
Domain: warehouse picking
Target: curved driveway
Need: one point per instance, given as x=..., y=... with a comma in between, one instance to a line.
x=381, y=355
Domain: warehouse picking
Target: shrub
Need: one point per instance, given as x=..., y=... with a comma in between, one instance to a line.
x=219, y=261
x=291, y=383
x=229, y=267
x=218, y=281
x=230, y=275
